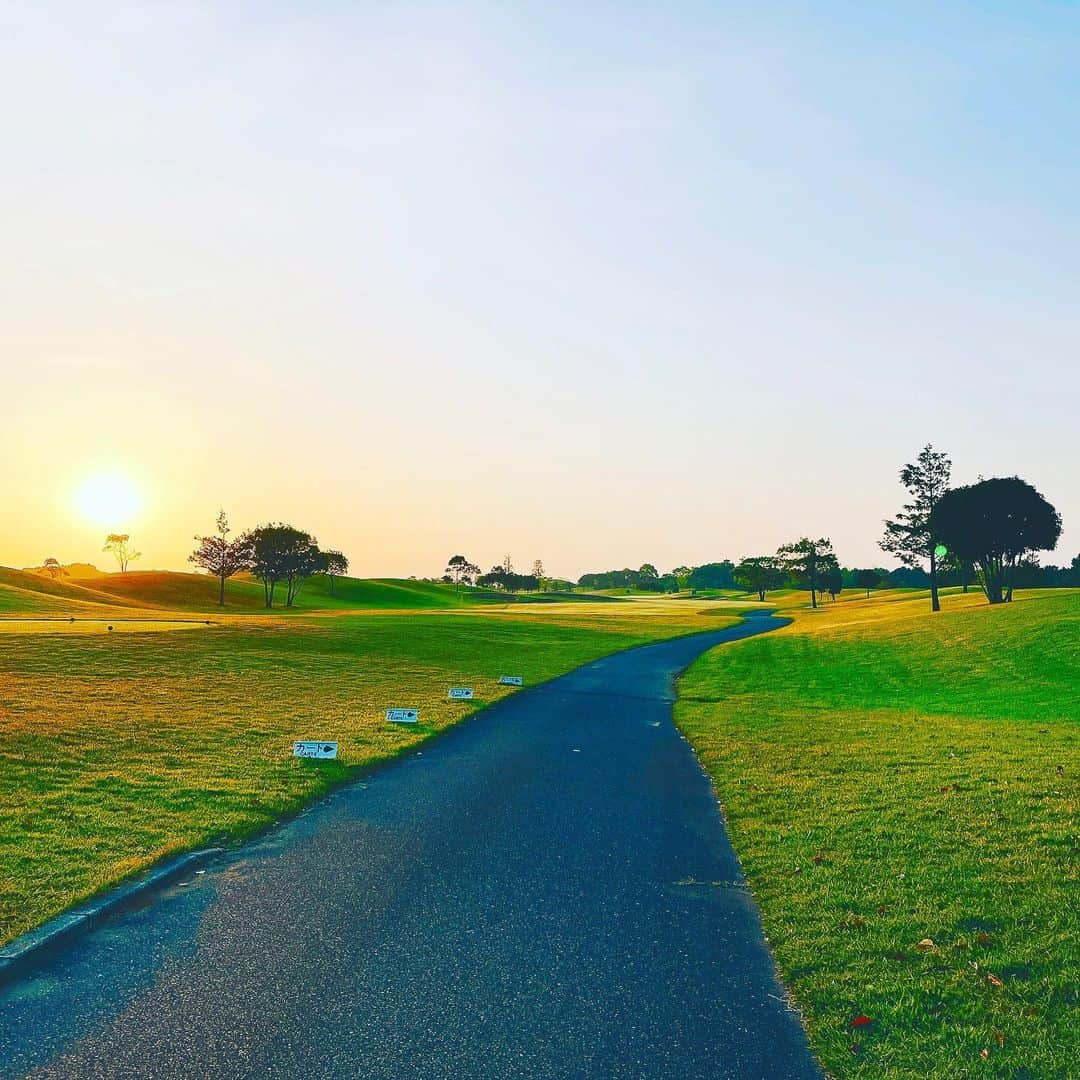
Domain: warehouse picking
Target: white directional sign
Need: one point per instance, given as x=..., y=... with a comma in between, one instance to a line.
x=511, y=680
x=314, y=749
x=403, y=716
x=460, y=693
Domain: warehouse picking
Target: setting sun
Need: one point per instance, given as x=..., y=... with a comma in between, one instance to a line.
x=108, y=499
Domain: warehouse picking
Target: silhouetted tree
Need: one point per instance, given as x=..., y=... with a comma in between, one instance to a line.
x=283, y=553
x=807, y=560
x=909, y=535
x=459, y=570
x=832, y=580
x=994, y=524
x=119, y=545
x=538, y=573
x=868, y=579
x=336, y=565
x=221, y=557
x=53, y=568
x=760, y=574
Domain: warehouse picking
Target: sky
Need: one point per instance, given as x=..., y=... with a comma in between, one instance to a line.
x=595, y=283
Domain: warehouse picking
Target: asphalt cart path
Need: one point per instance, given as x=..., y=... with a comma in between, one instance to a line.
x=545, y=891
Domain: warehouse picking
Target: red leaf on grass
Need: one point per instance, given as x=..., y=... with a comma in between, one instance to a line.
x=861, y=1021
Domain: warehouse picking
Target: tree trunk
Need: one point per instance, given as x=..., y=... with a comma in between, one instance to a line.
x=761, y=596
x=221, y=592
x=935, y=603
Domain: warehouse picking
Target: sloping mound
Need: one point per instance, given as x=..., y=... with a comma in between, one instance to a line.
x=32, y=593
x=380, y=593
x=185, y=592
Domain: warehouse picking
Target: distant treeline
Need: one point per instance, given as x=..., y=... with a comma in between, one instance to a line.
x=723, y=575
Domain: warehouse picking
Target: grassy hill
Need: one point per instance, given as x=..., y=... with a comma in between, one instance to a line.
x=903, y=789
x=29, y=592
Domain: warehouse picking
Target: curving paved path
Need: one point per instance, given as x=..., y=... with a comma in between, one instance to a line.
x=526, y=897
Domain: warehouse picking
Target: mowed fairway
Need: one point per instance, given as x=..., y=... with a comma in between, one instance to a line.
x=902, y=791
x=116, y=749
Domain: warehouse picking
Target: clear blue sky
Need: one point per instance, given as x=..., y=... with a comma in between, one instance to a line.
x=598, y=283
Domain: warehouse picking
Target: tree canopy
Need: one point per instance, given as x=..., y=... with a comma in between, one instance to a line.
x=807, y=561
x=994, y=524
x=760, y=574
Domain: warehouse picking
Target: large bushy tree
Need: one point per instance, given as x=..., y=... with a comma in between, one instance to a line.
x=868, y=579
x=909, y=536
x=995, y=524
x=760, y=574
x=282, y=553
x=807, y=561
x=220, y=556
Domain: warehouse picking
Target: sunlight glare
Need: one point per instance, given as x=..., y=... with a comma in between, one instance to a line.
x=108, y=499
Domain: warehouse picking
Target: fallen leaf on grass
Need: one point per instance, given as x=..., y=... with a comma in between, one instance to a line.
x=999, y=1036
x=983, y=938
x=984, y=1054
x=994, y=981
x=927, y=944
x=861, y=1021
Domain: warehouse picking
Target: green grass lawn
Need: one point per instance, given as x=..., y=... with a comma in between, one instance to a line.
x=117, y=749
x=902, y=791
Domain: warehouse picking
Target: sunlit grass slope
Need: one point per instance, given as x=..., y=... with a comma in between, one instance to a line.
x=199, y=593
x=117, y=749
x=892, y=778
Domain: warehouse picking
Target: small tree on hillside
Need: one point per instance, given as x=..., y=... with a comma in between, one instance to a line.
x=460, y=570
x=994, y=524
x=221, y=557
x=538, y=573
x=909, y=536
x=807, y=561
x=760, y=574
x=868, y=579
x=681, y=574
x=119, y=546
x=337, y=565
x=53, y=568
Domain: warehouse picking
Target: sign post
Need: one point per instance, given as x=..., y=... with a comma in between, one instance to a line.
x=460, y=693
x=321, y=750
x=402, y=716
x=511, y=680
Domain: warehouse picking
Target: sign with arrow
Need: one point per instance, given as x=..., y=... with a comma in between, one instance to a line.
x=314, y=749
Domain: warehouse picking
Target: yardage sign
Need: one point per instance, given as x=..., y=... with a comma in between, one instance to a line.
x=314, y=749
x=403, y=716
x=460, y=693
x=511, y=680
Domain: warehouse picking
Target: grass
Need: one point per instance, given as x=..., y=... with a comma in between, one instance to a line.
x=117, y=749
x=902, y=791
